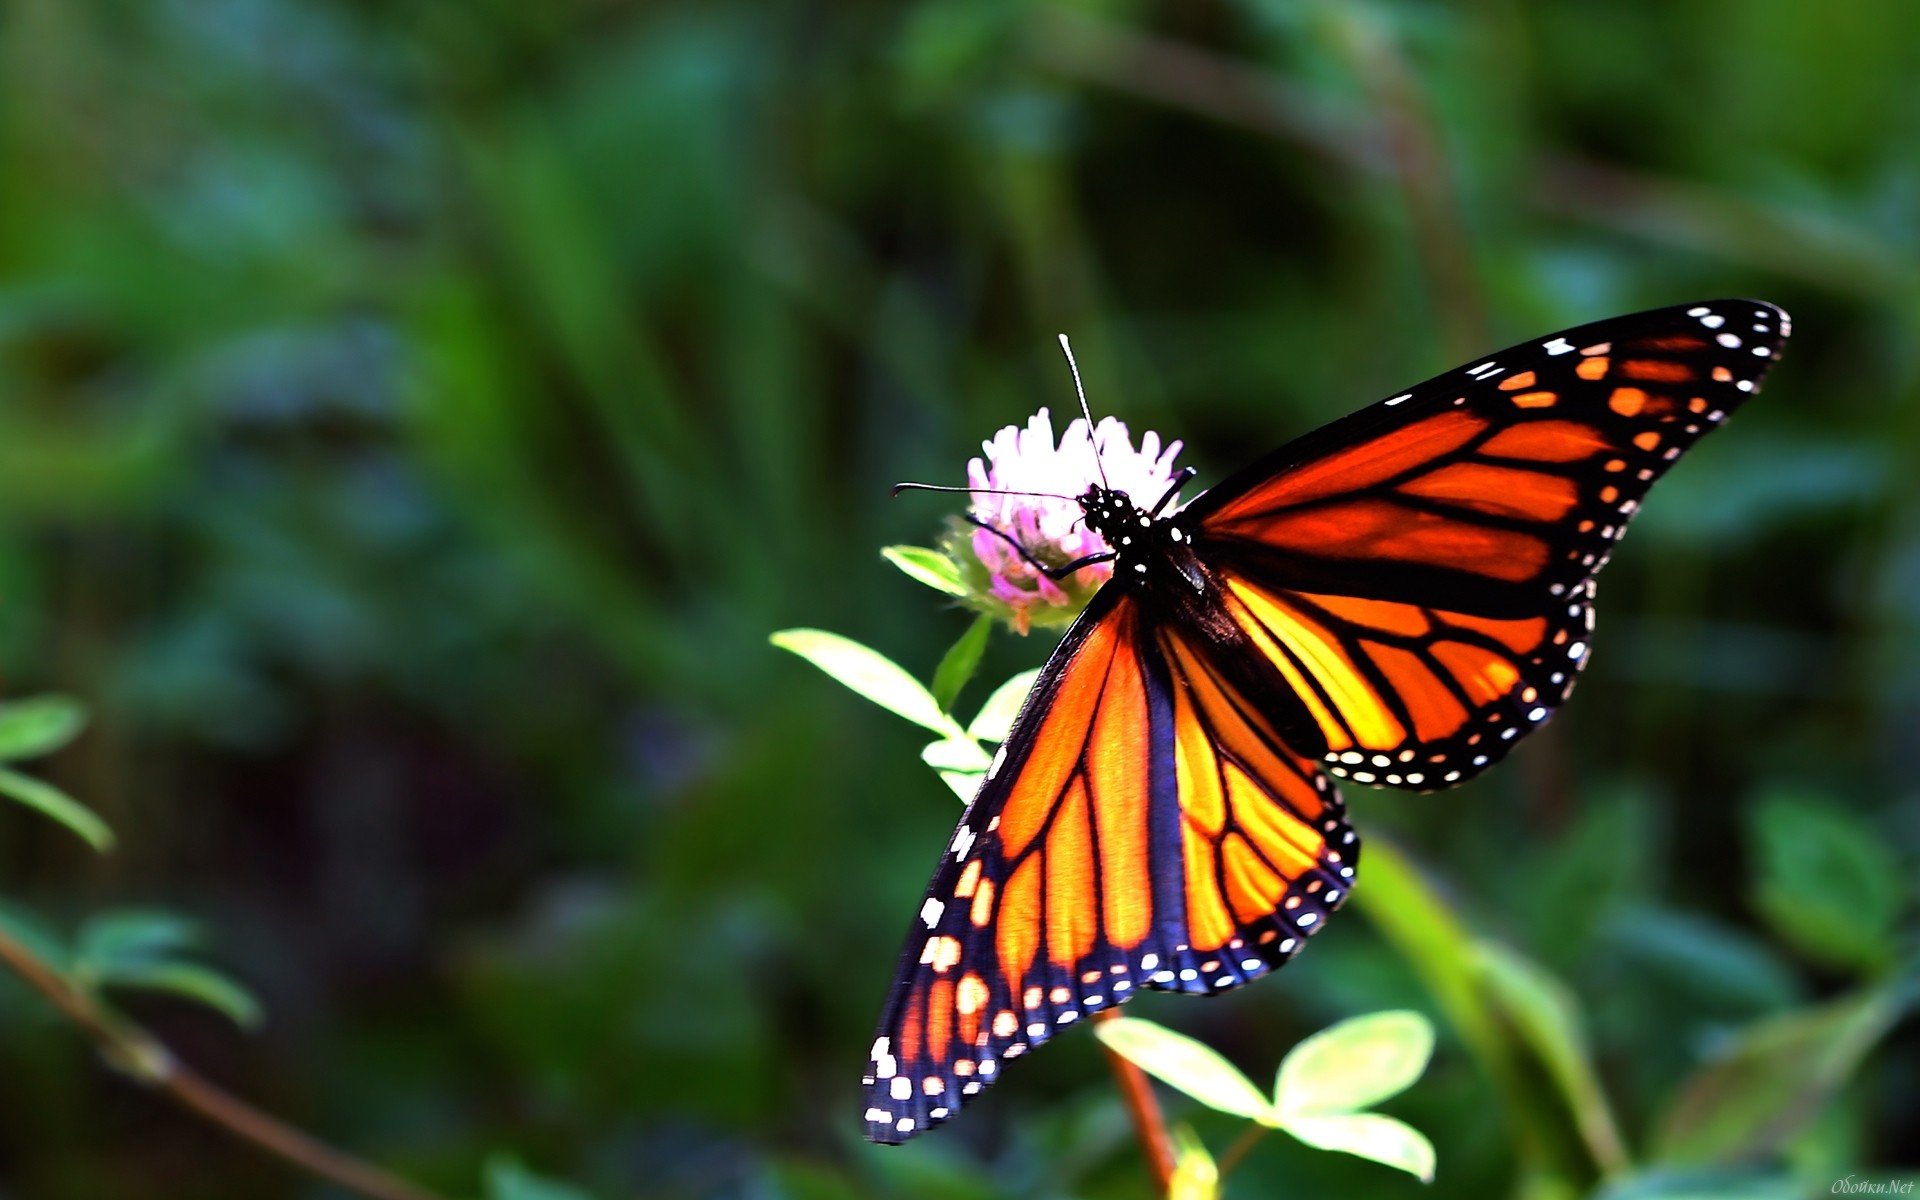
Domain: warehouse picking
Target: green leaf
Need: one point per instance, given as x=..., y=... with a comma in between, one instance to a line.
x=1709, y=963
x=1354, y=1064
x=1575, y=886
x=932, y=1170
x=39, y=725
x=957, y=754
x=930, y=567
x=1749, y=1184
x=871, y=674
x=959, y=663
x=799, y=1177
x=995, y=719
x=51, y=802
x=1181, y=1062
x=132, y=938
x=1547, y=1018
x=192, y=982
x=1772, y=1080
x=1825, y=882
x=1195, y=1175
x=1368, y=1135
x=508, y=1180
x=40, y=938
x=141, y=949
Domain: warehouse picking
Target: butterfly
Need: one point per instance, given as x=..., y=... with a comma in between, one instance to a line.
x=1394, y=599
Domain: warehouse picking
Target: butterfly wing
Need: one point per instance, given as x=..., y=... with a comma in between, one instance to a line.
x=1421, y=572
x=1142, y=826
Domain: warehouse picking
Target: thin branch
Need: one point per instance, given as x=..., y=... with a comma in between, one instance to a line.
x=1698, y=218
x=1199, y=81
x=140, y=1056
x=1155, y=1145
x=1799, y=243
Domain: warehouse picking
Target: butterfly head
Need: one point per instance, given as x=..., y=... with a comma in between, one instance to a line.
x=1144, y=546
x=1111, y=514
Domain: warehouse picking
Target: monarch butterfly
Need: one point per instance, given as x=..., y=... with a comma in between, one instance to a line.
x=1395, y=599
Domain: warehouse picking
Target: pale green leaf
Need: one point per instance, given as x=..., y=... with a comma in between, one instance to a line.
x=1181, y=1062
x=995, y=719
x=192, y=982
x=957, y=754
x=50, y=801
x=1368, y=1135
x=959, y=663
x=1354, y=1064
x=869, y=673
x=1195, y=1175
x=39, y=725
x=963, y=783
x=930, y=567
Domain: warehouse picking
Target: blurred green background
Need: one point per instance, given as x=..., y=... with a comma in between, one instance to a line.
x=414, y=417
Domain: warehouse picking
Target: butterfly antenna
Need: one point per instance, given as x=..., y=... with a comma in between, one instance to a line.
x=1086, y=412
x=936, y=487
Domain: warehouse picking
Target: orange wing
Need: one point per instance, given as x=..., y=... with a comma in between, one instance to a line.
x=1421, y=573
x=1143, y=826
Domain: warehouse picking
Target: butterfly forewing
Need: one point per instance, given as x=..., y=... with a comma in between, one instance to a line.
x=1421, y=573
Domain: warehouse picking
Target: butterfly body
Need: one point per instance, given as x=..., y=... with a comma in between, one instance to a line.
x=1395, y=599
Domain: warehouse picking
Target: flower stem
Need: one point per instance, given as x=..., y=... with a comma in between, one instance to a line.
x=1138, y=1095
x=139, y=1055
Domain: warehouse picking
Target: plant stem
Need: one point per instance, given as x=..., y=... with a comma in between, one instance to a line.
x=1248, y=1139
x=1137, y=1093
x=1420, y=170
x=139, y=1055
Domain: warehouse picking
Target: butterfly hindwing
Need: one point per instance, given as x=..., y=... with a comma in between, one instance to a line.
x=1421, y=572
x=1144, y=827
x=1412, y=695
x=1266, y=851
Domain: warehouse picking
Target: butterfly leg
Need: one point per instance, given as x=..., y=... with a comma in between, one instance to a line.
x=1179, y=481
x=1054, y=573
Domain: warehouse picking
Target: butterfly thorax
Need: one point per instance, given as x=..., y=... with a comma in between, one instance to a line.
x=1148, y=551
